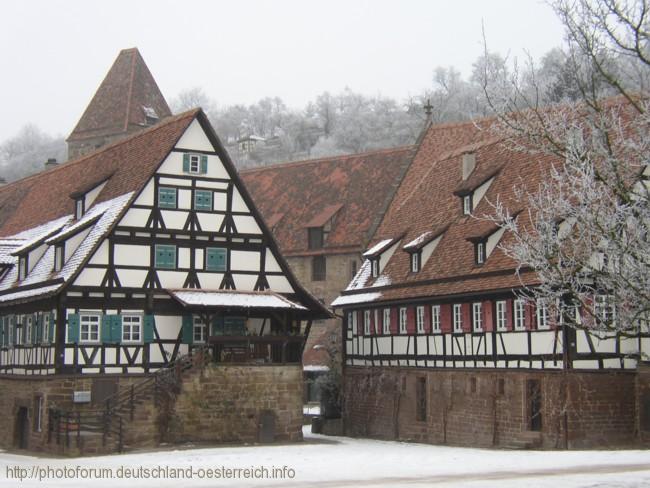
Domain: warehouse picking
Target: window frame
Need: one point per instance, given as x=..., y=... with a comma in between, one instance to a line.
x=45, y=334
x=22, y=267
x=477, y=316
x=98, y=324
x=130, y=340
x=79, y=208
x=403, y=320
x=386, y=321
x=501, y=316
x=542, y=314
x=416, y=262
x=194, y=157
x=366, y=322
x=198, y=324
x=519, y=314
x=457, y=314
x=315, y=238
x=467, y=204
x=319, y=268
x=374, y=267
x=435, y=318
x=419, y=319
x=377, y=327
x=28, y=323
x=480, y=253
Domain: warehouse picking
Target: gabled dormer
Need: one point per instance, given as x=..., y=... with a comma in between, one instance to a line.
x=319, y=227
x=31, y=251
x=379, y=255
x=421, y=248
x=474, y=185
x=86, y=195
x=484, y=243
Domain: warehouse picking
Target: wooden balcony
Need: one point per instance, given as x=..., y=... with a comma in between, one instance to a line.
x=267, y=349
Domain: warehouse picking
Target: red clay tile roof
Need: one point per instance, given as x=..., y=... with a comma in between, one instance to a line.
x=127, y=164
x=425, y=202
x=118, y=103
x=356, y=188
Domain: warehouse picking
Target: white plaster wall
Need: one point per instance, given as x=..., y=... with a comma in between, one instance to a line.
x=238, y=204
x=210, y=281
x=480, y=192
x=90, y=277
x=183, y=257
x=245, y=260
x=171, y=279
x=244, y=282
x=247, y=225
x=131, y=277
x=184, y=199
x=271, y=264
x=90, y=197
x=135, y=217
x=492, y=241
x=194, y=138
x=174, y=219
x=210, y=222
x=279, y=284
x=73, y=242
x=146, y=195
x=132, y=255
x=101, y=254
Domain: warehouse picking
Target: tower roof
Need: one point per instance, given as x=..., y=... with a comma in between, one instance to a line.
x=128, y=98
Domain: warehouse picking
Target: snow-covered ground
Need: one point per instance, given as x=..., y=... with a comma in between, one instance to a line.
x=342, y=462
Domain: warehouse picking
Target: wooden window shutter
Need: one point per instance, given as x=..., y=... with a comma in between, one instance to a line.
x=105, y=329
x=116, y=328
x=3, y=331
x=52, y=329
x=73, y=328
x=148, y=323
x=186, y=163
x=38, y=328
x=204, y=164
x=187, y=330
x=215, y=259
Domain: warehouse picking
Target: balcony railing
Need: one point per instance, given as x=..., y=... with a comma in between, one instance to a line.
x=256, y=349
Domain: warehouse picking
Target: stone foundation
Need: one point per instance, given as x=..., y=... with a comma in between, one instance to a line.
x=493, y=408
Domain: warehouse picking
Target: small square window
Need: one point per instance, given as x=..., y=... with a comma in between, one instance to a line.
x=166, y=197
x=165, y=257
x=203, y=200
x=195, y=163
x=131, y=328
x=216, y=259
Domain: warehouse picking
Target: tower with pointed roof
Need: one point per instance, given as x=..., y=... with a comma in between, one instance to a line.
x=128, y=100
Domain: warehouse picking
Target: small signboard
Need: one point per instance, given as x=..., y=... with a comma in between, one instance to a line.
x=81, y=397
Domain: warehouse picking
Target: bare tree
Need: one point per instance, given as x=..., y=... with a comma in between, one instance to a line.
x=586, y=231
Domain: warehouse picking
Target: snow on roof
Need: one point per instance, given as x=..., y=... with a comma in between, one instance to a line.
x=234, y=299
x=378, y=248
x=418, y=241
x=40, y=233
x=29, y=293
x=315, y=367
x=93, y=214
x=357, y=298
x=361, y=278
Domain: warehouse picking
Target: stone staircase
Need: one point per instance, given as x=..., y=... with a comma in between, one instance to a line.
x=129, y=419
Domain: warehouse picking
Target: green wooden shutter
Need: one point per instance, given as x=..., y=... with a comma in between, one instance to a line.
x=147, y=328
x=3, y=331
x=52, y=329
x=215, y=259
x=105, y=329
x=188, y=330
x=204, y=164
x=203, y=200
x=165, y=256
x=38, y=322
x=116, y=328
x=186, y=163
x=23, y=330
x=73, y=328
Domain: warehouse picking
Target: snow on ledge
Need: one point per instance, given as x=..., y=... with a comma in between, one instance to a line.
x=222, y=298
x=357, y=298
x=378, y=248
x=315, y=367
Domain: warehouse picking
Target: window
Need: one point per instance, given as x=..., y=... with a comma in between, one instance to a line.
x=421, y=399
x=216, y=259
x=377, y=326
x=402, y=320
x=59, y=257
x=22, y=268
x=199, y=330
x=374, y=263
x=316, y=237
x=604, y=310
x=78, y=208
x=166, y=197
x=366, y=322
x=520, y=314
x=38, y=413
x=419, y=319
x=353, y=268
x=435, y=318
x=131, y=328
x=352, y=322
x=467, y=204
x=318, y=268
x=415, y=262
x=28, y=329
x=501, y=315
x=18, y=339
x=89, y=327
x=386, y=321
x=480, y=252
x=165, y=256
x=46, y=328
x=477, y=316
x=203, y=200
x=458, y=318
x=542, y=314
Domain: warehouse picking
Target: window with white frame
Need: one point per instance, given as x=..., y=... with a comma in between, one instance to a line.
x=386, y=321
x=366, y=322
x=195, y=163
x=28, y=329
x=46, y=327
x=604, y=310
x=501, y=315
x=374, y=263
x=435, y=318
x=402, y=320
x=480, y=252
x=477, y=316
x=458, y=317
x=419, y=319
x=89, y=327
x=519, y=314
x=22, y=268
x=59, y=257
x=377, y=323
x=131, y=328
x=199, y=330
x=542, y=314
x=467, y=204
x=415, y=262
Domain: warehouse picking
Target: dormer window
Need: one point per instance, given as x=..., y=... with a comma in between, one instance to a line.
x=415, y=262
x=59, y=257
x=195, y=163
x=79, y=208
x=374, y=264
x=480, y=252
x=467, y=204
x=316, y=237
x=22, y=268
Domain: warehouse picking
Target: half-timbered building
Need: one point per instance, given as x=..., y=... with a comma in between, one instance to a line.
x=441, y=346
x=120, y=265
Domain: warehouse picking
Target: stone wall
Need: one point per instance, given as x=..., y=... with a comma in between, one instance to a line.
x=229, y=403
x=492, y=408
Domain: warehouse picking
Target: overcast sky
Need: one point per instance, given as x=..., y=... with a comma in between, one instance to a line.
x=54, y=53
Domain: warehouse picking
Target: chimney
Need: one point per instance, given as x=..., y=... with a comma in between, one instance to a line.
x=50, y=163
x=469, y=163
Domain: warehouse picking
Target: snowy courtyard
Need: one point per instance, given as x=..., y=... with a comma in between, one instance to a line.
x=337, y=462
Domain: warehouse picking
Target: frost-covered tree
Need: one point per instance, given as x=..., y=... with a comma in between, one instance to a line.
x=26, y=152
x=586, y=231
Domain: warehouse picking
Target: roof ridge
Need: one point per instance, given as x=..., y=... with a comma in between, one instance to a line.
x=169, y=120
x=127, y=112
x=326, y=158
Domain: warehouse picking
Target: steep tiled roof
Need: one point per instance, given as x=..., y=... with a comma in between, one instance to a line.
x=127, y=164
x=351, y=191
x=122, y=99
x=427, y=202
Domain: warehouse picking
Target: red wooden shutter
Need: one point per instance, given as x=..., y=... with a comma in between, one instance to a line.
x=427, y=319
x=488, y=318
x=445, y=318
x=394, y=320
x=509, y=314
x=529, y=309
x=466, y=317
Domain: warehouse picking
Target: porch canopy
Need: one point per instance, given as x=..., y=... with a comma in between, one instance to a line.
x=236, y=301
